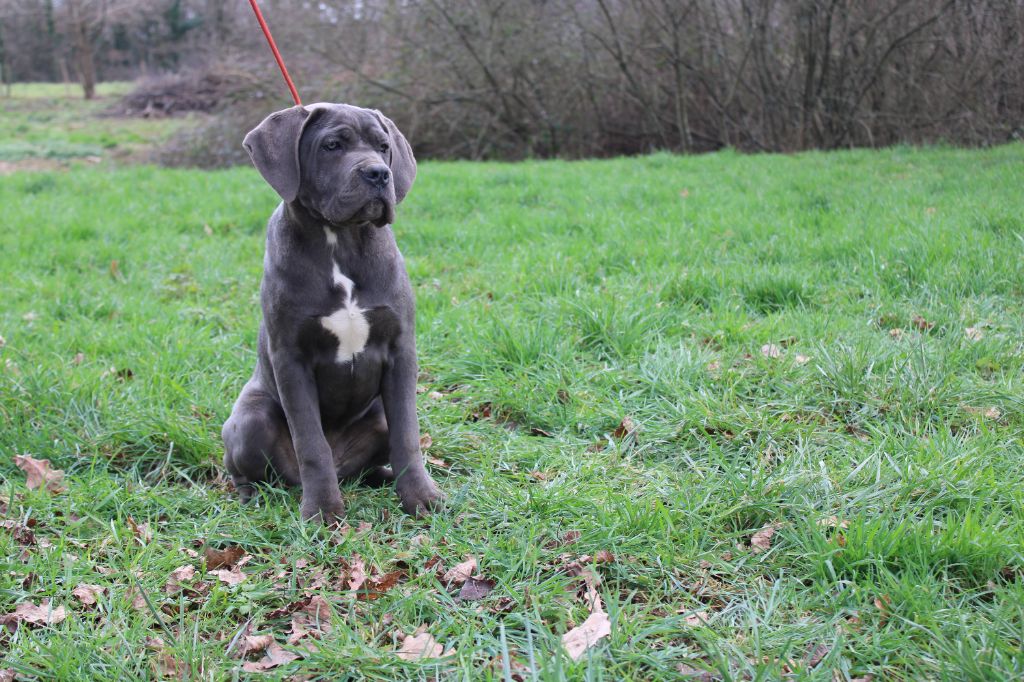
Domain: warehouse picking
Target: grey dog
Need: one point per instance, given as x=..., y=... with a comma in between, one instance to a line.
x=333, y=395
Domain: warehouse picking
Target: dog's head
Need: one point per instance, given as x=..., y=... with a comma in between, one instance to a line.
x=344, y=164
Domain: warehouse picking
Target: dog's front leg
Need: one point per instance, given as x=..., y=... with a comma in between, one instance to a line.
x=321, y=497
x=418, y=492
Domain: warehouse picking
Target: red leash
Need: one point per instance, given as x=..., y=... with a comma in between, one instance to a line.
x=277, y=55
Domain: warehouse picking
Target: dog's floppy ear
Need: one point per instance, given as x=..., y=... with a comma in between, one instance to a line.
x=273, y=146
x=400, y=158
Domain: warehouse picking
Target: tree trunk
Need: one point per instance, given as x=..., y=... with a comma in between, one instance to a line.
x=85, y=62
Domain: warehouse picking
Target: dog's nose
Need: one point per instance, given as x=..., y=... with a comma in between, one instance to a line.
x=377, y=175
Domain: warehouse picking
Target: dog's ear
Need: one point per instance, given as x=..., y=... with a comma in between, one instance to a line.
x=273, y=146
x=400, y=158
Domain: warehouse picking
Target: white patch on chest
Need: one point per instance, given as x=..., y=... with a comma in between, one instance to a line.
x=348, y=324
x=332, y=239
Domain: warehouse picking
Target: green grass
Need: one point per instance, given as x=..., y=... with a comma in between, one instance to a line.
x=567, y=296
x=50, y=125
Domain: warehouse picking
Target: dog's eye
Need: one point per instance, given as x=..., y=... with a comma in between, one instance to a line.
x=331, y=145
x=384, y=147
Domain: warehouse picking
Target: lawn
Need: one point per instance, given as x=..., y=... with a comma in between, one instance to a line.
x=633, y=371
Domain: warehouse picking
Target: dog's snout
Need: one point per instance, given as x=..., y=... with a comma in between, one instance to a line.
x=377, y=175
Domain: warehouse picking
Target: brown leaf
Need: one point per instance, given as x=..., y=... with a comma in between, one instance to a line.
x=537, y=431
x=603, y=556
x=460, y=573
x=38, y=473
x=313, y=618
x=586, y=634
x=420, y=646
x=254, y=644
x=378, y=585
x=834, y=522
x=882, y=603
x=141, y=531
x=32, y=614
x=696, y=674
x=770, y=350
x=138, y=601
x=476, y=588
x=223, y=558
x=921, y=324
x=6, y=674
x=356, y=573
x=179, y=576
x=761, y=541
x=21, y=533
x=88, y=594
x=275, y=655
x=695, y=619
x=425, y=441
x=974, y=334
x=230, y=576
x=815, y=654
x=568, y=538
x=802, y=359
x=626, y=427
x=163, y=663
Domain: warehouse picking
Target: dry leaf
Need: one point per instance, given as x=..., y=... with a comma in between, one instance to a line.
x=135, y=596
x=815, y=654
x=801, y=359
x=476, y=588
x=882, y=604
x=695, y=619
x=460, y=573
x=221, y=558
x=21, y=533
x=988, y=413
x=377, y=586
x=770, y=350
x=38, y=473
x=313, y=618
x=254, y=644
x=6, y=674
x=180, y=575
x=229, y=576
x=141, y=531
x=896, y=334
x=586, y=634
x=426, y=441
x=356, y=573
x=834, y=522
x=275, y=655
x=421, y=646
x=88, y=594
x=626, y=427
x=974, y=334
x=435, y=395
x=921, y=324
x=163, y=663
x=761, y=541
x=32, y=614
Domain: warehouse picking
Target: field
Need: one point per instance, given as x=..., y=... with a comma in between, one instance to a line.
x=633, y=371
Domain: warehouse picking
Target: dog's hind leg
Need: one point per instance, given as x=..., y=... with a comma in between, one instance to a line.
x=256, y=441
x=361, y=449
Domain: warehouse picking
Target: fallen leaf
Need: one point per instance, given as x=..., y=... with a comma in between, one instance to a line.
x=313, y=618
x=882, y=603
x=141, y=531
x=974, y=334
x=230, y=576
x=761, y=541
x=801, y=359
x=254, y=644
x=175, y=582
x=375, y=587
x=586, y=634
x=834, y=522
x=476, y=588
x=275, y=655
x=696, y=674
x=426, y=441
x=21, y=533
x=32, y=614
x=921, y=324
x=438, y=462
x=815, y=654
x=38, y=473
x=896, y=333
x=6, y=674
x=88, y=594
x=78, y=359
x=356, y=573
x=714, y=366
x=695, y=619
x=135, y=596
x=770, y=350
x=535, y=431
x=568, y=538
x=626, y=427
x=988, y=413
x=163, y=663
x=435, y=395
x=421, y=646
x=221, y=558
x=460, y=573
x=603, y=556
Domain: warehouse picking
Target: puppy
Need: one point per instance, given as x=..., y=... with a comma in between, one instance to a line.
x=333, y=394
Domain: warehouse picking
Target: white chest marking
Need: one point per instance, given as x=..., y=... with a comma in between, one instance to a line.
x=332, y=238
x=347, y=323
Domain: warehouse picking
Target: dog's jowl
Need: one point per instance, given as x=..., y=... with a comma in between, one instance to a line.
x=333, y=394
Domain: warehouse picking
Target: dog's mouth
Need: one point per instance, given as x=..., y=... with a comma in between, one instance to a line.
x=378, y=211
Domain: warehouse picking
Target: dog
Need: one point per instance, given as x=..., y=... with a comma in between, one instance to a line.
x=333, y=394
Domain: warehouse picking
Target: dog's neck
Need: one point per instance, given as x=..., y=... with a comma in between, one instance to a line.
x=350, y=237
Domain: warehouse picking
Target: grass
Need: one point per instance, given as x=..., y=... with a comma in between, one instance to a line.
x=48, y=125
x=553, y=298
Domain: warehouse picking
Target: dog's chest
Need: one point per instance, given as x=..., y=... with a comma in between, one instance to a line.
x=349, y=323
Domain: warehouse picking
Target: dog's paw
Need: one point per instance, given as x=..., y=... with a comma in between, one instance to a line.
x=327, y=512
x=419, y=495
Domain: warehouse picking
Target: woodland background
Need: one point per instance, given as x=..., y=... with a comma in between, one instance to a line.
x=512, y=79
